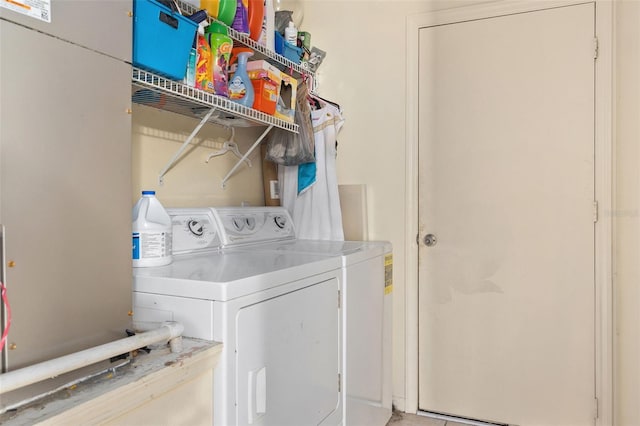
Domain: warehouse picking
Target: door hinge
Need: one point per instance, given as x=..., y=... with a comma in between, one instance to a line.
x=596, y=414
x=595, y=211
x=418, y=239
x=339, y=383
x=595, y=48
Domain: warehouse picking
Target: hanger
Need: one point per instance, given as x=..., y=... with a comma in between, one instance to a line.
x=319, y=99
x=229, y=146
x=307, y=81
x=314, y=102
x=317, y=102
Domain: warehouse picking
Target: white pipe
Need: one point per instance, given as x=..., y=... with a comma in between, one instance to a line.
x=45, y=370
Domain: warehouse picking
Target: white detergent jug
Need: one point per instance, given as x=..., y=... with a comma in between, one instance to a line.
x=151, y=232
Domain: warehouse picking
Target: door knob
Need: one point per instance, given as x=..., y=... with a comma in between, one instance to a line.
x=430, y=240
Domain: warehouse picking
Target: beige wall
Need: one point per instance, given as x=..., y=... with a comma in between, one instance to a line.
x=627, y=214
x=157, y=136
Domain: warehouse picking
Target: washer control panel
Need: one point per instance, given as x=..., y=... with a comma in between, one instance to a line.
x=245, y=225
x=194, y=230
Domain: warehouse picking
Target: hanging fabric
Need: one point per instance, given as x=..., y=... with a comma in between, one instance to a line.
x=306, y=176
x=316, y=209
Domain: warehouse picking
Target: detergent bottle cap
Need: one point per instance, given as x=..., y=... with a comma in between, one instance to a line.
x=217, y=27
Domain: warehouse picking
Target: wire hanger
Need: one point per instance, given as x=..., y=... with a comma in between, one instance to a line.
x=319, y=100
x=316, y=101
x=229, y=146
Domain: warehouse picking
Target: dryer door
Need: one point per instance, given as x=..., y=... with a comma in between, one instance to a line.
x=288, y=358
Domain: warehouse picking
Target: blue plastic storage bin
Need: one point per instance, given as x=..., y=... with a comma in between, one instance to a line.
x=162, y=39
x=292, y=53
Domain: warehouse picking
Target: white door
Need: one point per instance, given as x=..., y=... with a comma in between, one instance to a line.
x=506, y=185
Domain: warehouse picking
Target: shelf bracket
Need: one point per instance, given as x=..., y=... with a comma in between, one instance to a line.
x=184, y=145
x=246, y=155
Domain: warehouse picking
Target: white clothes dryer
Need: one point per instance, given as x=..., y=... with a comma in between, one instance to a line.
x=366, y=298
x=277, y=314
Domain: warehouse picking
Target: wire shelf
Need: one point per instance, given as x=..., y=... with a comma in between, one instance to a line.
x=261, y=52
x=161, y=93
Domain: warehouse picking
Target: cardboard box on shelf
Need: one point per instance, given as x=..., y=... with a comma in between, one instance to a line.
x=288, y=92
x=263, y=68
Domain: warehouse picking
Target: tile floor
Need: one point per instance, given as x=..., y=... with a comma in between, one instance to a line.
x=405, y=419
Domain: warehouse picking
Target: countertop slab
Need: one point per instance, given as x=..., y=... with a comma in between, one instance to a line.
x=107, y=396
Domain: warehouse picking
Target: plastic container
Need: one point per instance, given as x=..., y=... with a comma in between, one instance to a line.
x=265, y=95
x=211, y=6
x=199, y=16
x=151, y=232
x=221, y=45
x=162, y=39
x=289, y=51
x=291, y=34
x=241, y=20
x=240, y=86
x=256, y=17
x=267, y=37
x=190, y=76
x=227, y=11
x=305, y=39
x=204, y=78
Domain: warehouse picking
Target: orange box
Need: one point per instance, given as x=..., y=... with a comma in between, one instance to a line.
x=266, y=80
x=286, y=89
x=265, y=91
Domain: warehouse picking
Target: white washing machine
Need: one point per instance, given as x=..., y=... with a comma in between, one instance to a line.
x=366, y=296
x=278, y=315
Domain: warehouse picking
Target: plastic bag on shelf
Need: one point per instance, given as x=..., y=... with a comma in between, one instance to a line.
x=291, y=149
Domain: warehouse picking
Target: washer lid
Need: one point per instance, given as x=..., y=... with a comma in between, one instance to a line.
x=228, y=275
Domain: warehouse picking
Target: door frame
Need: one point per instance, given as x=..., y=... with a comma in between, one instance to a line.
x=603, y=180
